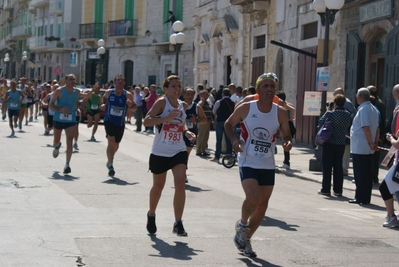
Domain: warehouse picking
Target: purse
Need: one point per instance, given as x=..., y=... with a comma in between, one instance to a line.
x=395, y=176
x=324, y=133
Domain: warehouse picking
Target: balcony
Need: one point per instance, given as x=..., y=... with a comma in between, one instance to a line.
x=7, y=5
x=122, y=30
x=91, y=32
x=39, y=3
x=3, y=44
x=55, y=7
x=158, y=37
x=21, y=31
x=37, y=43
x=65, y=44
x=31, y=8
x=21, y=1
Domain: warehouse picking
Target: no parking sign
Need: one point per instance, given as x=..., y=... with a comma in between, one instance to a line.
x=57, y=70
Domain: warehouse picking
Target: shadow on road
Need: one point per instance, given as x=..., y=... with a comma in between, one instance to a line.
x=118, y=181
x=195, y=189
x=277, y=223
x=257, y=262
x=180, y=251
x=67, y=177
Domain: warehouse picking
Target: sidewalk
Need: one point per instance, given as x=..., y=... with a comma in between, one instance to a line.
x=299, y=158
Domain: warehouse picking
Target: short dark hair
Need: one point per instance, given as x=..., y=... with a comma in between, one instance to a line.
x=200, y=86
x=281, y=95
x=239, y=89
x=252, y=90
x=226, y=92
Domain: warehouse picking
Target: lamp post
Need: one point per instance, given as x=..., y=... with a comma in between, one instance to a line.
x=100, y=52
x=177, y=39
x=326, y=10
x=24, y=59
x=7, y=61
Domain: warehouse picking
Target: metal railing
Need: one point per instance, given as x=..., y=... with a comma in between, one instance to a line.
x=21, y=30
x=92, y=30
x=124, y=27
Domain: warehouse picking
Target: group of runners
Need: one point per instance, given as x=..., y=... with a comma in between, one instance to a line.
x=259, y=117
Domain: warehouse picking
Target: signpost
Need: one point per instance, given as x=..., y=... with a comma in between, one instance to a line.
x=57, y=70
x=312, y=103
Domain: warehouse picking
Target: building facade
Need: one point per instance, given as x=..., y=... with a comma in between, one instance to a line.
x=136, y=41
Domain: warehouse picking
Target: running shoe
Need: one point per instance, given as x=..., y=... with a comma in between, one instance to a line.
x=12, y=133
x=93, y=139
x=30, y=119
x=3, y=117
x=20, y=125
x=67, y=169
x=75, y=146
x=46, y=132
x=26, y=122
x=390, y=220
x=15, y=125
x=36, y=117
x=111, y=171
x=56, y=150
x=151, y=226
x=240, y=238
x=179, y=229
x=248, y=250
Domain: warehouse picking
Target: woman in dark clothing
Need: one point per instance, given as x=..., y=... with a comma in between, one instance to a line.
x=333, y=149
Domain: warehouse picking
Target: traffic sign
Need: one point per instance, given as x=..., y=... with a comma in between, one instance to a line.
x=57, y=70
x=73, y=59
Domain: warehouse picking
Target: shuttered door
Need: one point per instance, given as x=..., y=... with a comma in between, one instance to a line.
x=355, y=64
x=306, y=81
x=258, y=68
x=391, y=67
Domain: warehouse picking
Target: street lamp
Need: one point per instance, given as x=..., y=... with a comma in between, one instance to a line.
x=177, y=39
x=24, y=59
x=100, y=52
x=327, y=10
x=7, y=61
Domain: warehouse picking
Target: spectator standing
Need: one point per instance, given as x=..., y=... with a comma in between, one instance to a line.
x=204, y=129
x=352, y=110
x=291, y=117
x=223, y=108
x=138, y=98
x=150, y=100
x=364, y=139
x=381, y=108
x=333, y=149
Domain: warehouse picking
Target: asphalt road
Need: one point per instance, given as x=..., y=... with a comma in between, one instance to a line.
x=48, y=219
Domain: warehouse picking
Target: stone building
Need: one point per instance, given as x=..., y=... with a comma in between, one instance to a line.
x=136, y=41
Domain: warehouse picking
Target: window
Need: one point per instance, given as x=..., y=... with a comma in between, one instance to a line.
x=260, y=41
x=309, y=30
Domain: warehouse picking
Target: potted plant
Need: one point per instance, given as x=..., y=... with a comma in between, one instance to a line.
x=60, y=44
x=73, y=39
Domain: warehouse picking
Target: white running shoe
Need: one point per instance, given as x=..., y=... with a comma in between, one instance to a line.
x=390, y=220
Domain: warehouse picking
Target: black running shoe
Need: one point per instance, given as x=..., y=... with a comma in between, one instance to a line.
x=179, y=229
x=67, y=170
x=151, y=227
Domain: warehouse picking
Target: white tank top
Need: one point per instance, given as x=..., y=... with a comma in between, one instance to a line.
x=168, y=140
x=258, y=131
